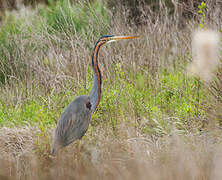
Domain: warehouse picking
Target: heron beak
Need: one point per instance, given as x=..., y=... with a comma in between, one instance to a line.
x=116, y=38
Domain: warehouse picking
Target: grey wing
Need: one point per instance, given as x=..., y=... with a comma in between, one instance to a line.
x=73, y=124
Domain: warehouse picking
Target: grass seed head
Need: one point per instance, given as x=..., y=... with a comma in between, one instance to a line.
x=205, y=47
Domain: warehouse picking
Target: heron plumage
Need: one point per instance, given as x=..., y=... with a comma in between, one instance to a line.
x=95, y=94
x=75, y=119
x=71, y=126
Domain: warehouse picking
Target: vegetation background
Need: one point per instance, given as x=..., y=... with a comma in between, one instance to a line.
x=154, y=121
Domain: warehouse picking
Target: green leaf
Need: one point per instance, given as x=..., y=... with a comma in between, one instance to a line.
x=203, y=4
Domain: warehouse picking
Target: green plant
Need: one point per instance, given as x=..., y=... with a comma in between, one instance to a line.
x=201, y=11
x=70, y=18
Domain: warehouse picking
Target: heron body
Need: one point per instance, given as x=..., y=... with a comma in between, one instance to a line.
x=75, y=119
x=73, y=122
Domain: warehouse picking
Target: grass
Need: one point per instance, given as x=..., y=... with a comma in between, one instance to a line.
x=152, y=117
x=173, y=94
x=64, y=17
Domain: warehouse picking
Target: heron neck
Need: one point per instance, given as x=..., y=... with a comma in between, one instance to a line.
x=95, y=94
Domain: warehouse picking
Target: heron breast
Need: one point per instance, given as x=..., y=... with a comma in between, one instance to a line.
x=88, y=105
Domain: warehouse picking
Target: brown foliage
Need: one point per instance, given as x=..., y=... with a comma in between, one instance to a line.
x=137, y=11
x=16, y=4
x=103, y=156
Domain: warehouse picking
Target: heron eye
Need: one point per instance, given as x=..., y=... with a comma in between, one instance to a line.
x=88, y=105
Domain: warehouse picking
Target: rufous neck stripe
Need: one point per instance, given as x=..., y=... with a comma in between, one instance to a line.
x=97, y=70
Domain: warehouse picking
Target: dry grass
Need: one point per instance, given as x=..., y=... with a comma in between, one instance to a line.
x=126, y=156
x=205, y=54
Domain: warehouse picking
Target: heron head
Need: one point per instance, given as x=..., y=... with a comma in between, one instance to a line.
x=112, y=38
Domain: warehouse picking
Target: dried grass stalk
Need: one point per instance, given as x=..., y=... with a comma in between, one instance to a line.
x=205, y=46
